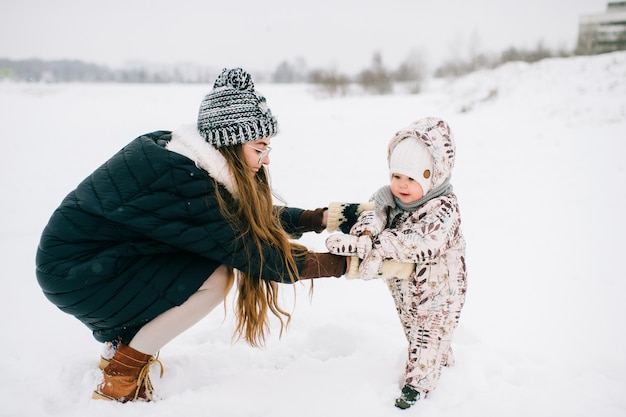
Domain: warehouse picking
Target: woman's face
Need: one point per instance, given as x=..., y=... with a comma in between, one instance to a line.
x=256, y=154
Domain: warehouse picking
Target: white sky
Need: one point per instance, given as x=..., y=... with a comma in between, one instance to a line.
x=260, y=34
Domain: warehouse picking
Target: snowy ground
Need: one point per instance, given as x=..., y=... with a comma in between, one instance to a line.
x=540, y=179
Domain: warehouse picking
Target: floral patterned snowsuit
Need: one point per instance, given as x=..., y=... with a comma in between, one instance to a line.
x=430, y=296
x=429, y=302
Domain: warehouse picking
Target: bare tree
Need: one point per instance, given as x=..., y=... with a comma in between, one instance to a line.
x=412, y=71
x=330, y=81
x=376, y=79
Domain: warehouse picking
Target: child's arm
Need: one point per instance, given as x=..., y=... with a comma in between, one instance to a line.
x=423, y=236
x=358, y=244
x=389, y=269
x=354, y=247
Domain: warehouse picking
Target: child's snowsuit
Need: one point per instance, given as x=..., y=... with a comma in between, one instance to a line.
x=430, y=296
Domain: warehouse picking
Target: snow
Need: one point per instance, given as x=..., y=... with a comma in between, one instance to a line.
x=540, y=180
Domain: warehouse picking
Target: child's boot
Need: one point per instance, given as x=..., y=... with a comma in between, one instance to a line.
x=407, y=398
x=126, y=377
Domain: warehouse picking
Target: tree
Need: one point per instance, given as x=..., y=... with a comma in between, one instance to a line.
x=330, y=81
x=284, y=73
x=620, y=43
x=411, y=71
x=287, y=72
x=376, y=79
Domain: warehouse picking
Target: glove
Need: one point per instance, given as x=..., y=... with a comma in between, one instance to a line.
x=363, y=246
x=344, y=245
x=353, y=271
x=317, y=265
x=311, y=220
x=348, y=245
x=342, y=216
x=369, y=223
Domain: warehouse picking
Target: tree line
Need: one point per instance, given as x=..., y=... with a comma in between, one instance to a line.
x=37, y=70
x=377, y=78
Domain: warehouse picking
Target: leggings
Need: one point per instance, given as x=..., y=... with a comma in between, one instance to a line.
x=165, y=327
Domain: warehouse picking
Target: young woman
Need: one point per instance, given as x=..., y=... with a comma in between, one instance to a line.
x=153, y=240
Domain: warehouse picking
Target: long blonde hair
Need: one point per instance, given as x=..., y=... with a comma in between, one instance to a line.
x=254, y=215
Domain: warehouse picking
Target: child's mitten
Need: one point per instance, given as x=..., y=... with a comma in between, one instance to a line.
x=363, y=246
x=340, y=244
x=369, y=223
x=348, y=245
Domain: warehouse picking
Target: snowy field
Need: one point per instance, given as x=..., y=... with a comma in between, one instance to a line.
x=540, y=178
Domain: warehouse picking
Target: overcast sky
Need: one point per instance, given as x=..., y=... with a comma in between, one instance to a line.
x=260, y=34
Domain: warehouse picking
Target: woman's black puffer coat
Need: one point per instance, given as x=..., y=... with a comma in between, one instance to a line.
x=139, y=236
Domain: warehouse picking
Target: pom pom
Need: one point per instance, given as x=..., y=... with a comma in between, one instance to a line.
x=235, y=78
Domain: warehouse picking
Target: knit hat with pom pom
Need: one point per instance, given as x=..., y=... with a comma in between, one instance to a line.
x=233, y=112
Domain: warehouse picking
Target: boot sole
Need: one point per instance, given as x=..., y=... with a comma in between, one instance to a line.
x=103, y=363
x=99, y=396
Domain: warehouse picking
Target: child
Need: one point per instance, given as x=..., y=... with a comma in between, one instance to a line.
x=413, y=240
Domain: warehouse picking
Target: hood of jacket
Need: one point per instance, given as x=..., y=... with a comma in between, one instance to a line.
x=437, y=136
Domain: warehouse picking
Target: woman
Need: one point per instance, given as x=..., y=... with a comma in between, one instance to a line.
x=152, y=240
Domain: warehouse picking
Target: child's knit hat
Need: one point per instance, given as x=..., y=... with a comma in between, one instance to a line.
x=412, y=158
x=233, y=113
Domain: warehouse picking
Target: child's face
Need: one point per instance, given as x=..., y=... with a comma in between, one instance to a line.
x=405, y=188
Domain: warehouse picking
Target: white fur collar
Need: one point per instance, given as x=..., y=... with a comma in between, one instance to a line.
x=186, y=141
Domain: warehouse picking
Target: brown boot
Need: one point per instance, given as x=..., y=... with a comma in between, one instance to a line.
x=126, y=377
x=103, y=363
x=108, y=351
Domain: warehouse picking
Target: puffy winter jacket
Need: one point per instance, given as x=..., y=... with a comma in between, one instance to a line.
x=141, y=234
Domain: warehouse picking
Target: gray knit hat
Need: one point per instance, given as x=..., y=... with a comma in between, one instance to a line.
x=233, y=113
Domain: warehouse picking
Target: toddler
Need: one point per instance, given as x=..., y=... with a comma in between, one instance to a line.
x=412, y=239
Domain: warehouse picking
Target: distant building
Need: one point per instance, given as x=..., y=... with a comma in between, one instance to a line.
x=603, y=32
